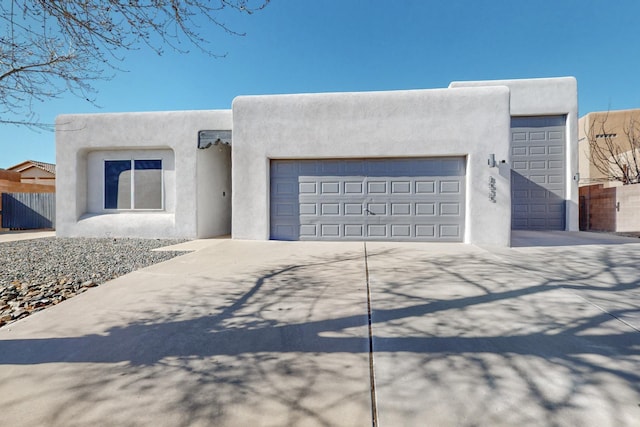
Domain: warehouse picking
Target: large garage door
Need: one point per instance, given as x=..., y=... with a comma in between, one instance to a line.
x=368, y=199
x=538, y=173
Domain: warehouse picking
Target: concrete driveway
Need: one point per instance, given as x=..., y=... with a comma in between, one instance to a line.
x=278, y=334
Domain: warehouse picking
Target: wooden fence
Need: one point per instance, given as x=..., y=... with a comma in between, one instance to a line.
x=27, y=211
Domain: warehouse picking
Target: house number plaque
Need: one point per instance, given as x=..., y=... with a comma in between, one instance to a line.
x=492, y=189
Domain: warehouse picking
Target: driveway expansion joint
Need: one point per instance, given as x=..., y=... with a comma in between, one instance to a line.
x=372, y=378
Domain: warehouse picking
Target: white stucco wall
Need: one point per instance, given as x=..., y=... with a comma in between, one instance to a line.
x=84, y=141
x=547, y=97
x=471, y=122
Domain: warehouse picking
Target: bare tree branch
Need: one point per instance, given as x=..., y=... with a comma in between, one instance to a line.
x=50, y=47
x=616, y=156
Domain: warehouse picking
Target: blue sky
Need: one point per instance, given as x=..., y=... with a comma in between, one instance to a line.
x=296, y=46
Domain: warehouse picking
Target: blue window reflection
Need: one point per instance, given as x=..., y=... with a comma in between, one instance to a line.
x=148, y=164
x=114, y=182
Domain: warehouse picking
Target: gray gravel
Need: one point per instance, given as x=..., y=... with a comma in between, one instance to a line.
x=38, y=273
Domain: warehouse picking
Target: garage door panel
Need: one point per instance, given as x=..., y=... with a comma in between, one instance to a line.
x=428, y=209
x=377, y=208
x=354, y=168
x=518, y=151
x=401, y=230
x=519, y=194
x=450, y=187
x=307, y=168
x=400, y=209
x=331, y=168
x=398, y=199
x=448, y=209
x=556, y=164
x=330, y=208
x=556, y=179
x=284, y=188
x=400, y=187
x=556, y=150
x=309, y=230
x=556, y=207
x=427, y=231
x=535, y=150
x=451, y=167
x=330, y=230
x=376, y=230
x=284, y=170
x=286, y=209
x=537, y=209
x=377, y=187
x=557, y=223
x=450, y=231
x=284, y=231
x=538, y=178
x=330, y=187
x=353, y=209
x=353, y=187
x=537, y=164
x=520, y=209
x=380, y=167
x=519, y=223
x=308, y=209
x=519, y=166
x=354, y=230
x=425, y=187
x=305, y=188
x=538, y=193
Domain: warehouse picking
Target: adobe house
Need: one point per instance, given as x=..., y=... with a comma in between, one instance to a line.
x=465, y=164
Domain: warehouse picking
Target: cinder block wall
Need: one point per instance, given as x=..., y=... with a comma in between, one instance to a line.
x=598, y=209
x=610, y=208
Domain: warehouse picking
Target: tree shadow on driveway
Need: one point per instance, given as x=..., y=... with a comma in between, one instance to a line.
x=459, y=339
x=542, y=336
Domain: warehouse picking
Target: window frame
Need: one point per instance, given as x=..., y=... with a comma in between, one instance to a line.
x=132, y=161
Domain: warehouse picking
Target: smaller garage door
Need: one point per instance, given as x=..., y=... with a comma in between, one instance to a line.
x=538, y=173
x=368, y=199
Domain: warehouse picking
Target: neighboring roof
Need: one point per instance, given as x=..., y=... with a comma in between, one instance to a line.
x=47, y=167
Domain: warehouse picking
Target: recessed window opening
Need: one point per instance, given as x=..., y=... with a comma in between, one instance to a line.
x=133, y=184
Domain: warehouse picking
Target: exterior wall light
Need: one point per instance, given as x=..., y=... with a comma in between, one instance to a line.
x=491, y=161
x=207, y=138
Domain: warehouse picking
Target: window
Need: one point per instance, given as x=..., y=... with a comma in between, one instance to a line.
x=133, y=184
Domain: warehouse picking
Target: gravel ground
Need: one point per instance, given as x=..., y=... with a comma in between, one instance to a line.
x=39, y=273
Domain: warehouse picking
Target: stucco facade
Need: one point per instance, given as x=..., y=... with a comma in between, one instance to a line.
x=470, y=122
x=195, y=183
x=548, y=97
x=222, y=189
